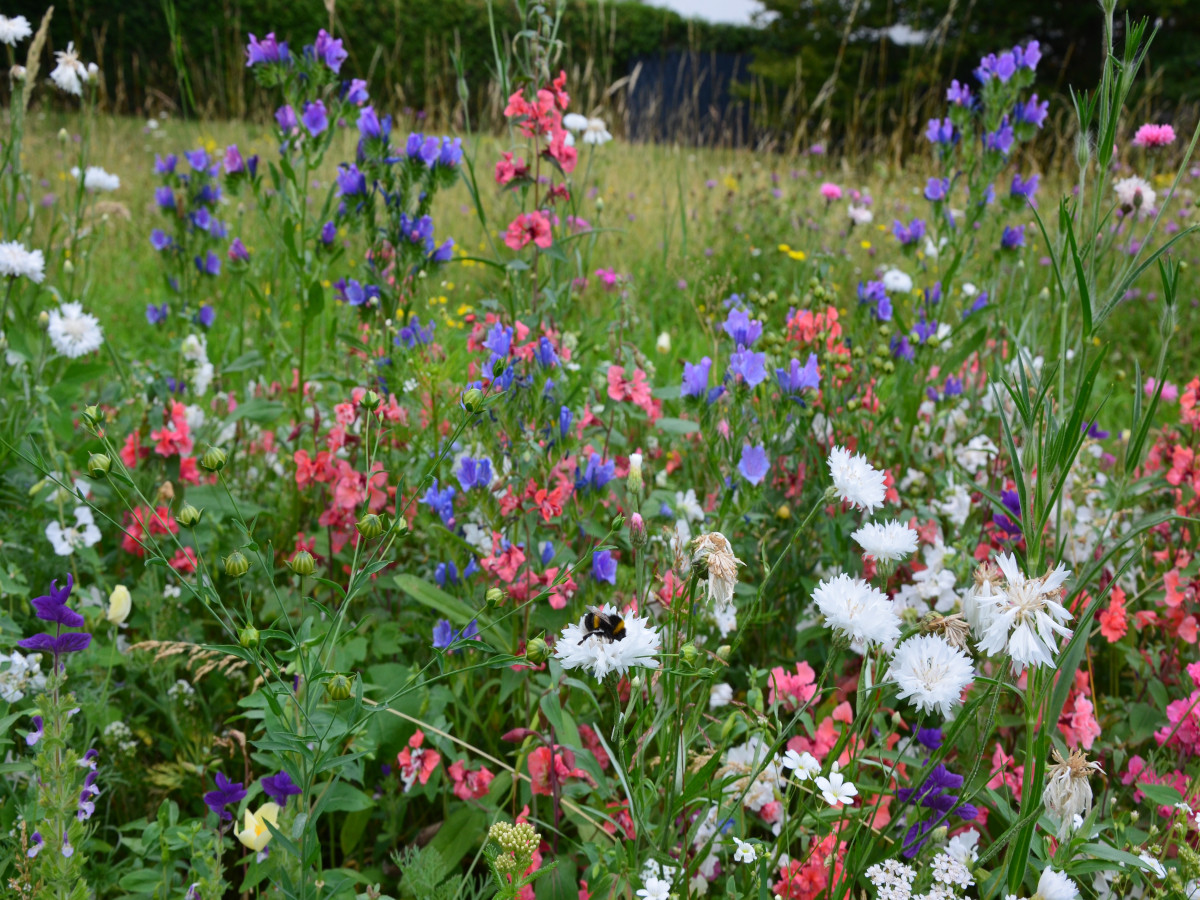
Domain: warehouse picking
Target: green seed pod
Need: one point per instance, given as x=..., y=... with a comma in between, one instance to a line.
x=302, y=563
x=473, y=401
x=689, y=654
x=370, y=401
x=213, y=459
x=495, y=596
x=248, y=637
x=537, y=651
x=236, y=564
x=339, y=687
x=98, y=465
x=189, y=516
x=370, y=526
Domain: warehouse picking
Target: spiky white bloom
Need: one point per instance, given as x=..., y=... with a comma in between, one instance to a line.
x=888, y=541
x=687, y=506
x=18, y=262
x=856, y=481
x=84, y=533
x=1055, y=886
x=981, y=595
x=931, y=673
x=860, y=215
x=655, y=889
x=714, y=550
x=596, y=132
x=73, y=332
x=14, y=29
x=1024, y=619
x=836, y=789
x=574, y=122
x=69, y=73
x=857, y=610
x=640, y=646
x=897, y=282
x=745, y=852
x=949, y=871
x=96, y=180
x=805, y=765
x=1135, y=192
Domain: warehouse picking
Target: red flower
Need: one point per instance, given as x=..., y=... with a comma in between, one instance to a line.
x=469, y=785
x=416, y=762
x=529, y=228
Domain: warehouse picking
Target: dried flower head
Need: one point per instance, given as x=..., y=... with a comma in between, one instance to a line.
x=714, y=550
x=953, y=628
x=1068, y=793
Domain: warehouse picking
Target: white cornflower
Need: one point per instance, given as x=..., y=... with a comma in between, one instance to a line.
x=720, y=695
x=857, y=610
x=73, y=332
x=889, y=541
x=17, y=262
x=860, y=215
x=14, y=29
x=950, y=871
x=804, y=764
x=1068, y=792
x=1055, y=886
x=855, y=480
x=745, y=852
x=69, y=73
x=714, y=550
x=596, y=132
x=655, y=889
x=897, y=282
x=96, y=180
x=68, y=539
x=1136, y=193
x=836, y=789
x=931, y=673
x=574, y=122
x=1024, y=619
x=639, y=647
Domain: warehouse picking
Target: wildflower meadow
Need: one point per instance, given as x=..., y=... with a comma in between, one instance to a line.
x=398, y=508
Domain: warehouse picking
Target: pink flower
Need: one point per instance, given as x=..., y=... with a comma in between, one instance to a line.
x=469, y=785
x=529, y=227
x=1170, y=393
x=831, y=191
x=1154, y=136
x=792, y=691
x=416, y=762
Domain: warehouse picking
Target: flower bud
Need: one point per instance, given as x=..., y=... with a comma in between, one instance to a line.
x=44, y=318
x=617, y=521
x=494, y=597
x=783, y=513
x=68, y=267
x=91, y=415
x=93, y=70
x=370, y=401
x=236, y=565
x=599, y=204
x=63, y=136
x=17, y=73
x=663, y=344
x=249, y=637
x=120, y=602
x=518, y=734
x=213, y=459
x=472, y=401
x=723, y=652
x=537, y=651
x=98, y=465
x=189, y=516
x=689, y=653
x=637, y=530
x=370, y=526
x=302, y=563
x=339, y=687
x=633, y=483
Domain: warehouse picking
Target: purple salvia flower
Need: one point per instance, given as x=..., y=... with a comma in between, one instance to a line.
x=937, y=189
x=159, y=240
x=368, y=123
x=205, y=316
x=36, y=843
x=1024, y=188
x=36, y=735
x=165, y=165
x=958, y=94
x=1032, y=112
x=328, y=233
x=208, y=265
x=356, y=92
x=233, y=164
x=1000, y=140
x=604, y=567
x=351, y=182
x=197, y=159
x=164, y=197
x=940, y=131
x=1013, y=237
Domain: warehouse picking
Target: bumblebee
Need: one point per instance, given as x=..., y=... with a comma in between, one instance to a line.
x=611, y=627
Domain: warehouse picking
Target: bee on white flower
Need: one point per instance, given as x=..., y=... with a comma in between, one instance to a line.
x=581, y=647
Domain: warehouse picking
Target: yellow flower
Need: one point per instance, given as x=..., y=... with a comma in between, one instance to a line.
x=866, y=245
x=797, y=254
x=255, y=835
x=119, y=604
x=784, y=248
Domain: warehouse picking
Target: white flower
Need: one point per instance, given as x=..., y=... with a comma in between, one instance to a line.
x=73, y=332
x=687, y=506
x=714, y=550
x=969, y=290
x=931, y=673
x=1068, y=793
x=83, y=533
x=855, y=480
x=957, y=506
x=596, y=132
x=889, y=541
x=892, y=878
x=663, y=344
x=655, y=889
x=22, y=676
x=963, y=847
x=1024, y=619
x=751, y=759
x=976, y=454
x=17, y=262
x=860, y=215
x=979, y=598
x=120, y=603
x=640, y=646
x=1150, y=864
x=950, y=871
x=836, y=789
x=14, y=30
x=574, y=122
x=745, y=852
x=1135, y=192
x=69, y=74
x=858, y=610
x=804, y=764
x=720, y=695
x=97, y=180
x=897, y=282
x=1055, y=886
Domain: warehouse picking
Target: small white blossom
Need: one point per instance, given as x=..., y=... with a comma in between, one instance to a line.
x=745, y=852
x=69, y=73
x=596, y=132
x=1056, y=886
x=891, y=541
x=804, y=764
x=836, y=789
x=14, y=30
x=860, y=215
x=720, y=695
x=897, y=282
x=67, y=539
x=714, y=550
x=655, y=889
x=951, y=872
x=97, y=180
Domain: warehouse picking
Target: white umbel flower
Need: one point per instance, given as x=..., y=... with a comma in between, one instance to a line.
x=1025, y=618
x=714, y=550
x=14, y=30
x=18, y=262
x=1055, y=886
x=931, y=673
x=96, y=180
x=596, y=132
x=73, y=332
x=856, y=481
x=890, y=541
x=836, y=789
x=951, y=872
x=857, y=610
x=69, y=74
x=84, y=533
x=640, y=646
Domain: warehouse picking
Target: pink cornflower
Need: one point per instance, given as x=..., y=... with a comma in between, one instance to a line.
x=831, y=191
x=529, y=227
x=1150, y=135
